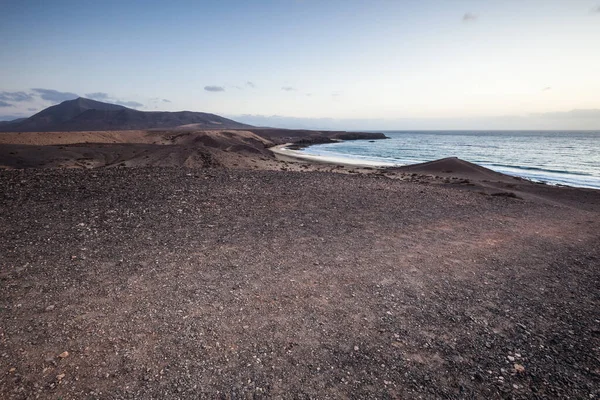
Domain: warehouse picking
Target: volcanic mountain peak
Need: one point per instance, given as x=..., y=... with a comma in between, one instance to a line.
x=72, y=108
x=86, y=104
x=83, y=114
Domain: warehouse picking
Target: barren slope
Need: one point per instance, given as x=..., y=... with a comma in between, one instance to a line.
x=174, y=283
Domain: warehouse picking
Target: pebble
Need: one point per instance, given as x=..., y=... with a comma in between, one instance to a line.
x=511, y=358
x=519, y=368
x=355, y=348
x=50, y=307
x=64, y=354
x=60, y=377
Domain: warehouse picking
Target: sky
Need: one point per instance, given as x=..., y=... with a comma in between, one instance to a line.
x=351, y=64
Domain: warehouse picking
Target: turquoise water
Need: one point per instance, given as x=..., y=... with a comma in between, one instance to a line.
x=566, y=158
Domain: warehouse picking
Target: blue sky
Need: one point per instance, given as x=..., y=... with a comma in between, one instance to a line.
x=348, y=64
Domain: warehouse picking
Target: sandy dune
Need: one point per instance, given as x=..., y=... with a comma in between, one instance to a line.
x=130, y=148
x=139, y=136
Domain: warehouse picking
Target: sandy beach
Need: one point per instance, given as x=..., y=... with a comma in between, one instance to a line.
x=284, y=153
x=282, y=279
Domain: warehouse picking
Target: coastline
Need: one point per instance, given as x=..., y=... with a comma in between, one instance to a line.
x=284, y=153
x=453, y=172
x=292, y=152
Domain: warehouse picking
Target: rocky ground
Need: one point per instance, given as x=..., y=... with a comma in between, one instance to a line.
x=177, y=283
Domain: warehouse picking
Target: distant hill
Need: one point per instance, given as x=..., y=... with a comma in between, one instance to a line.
x=14, y=121
x=89, y=115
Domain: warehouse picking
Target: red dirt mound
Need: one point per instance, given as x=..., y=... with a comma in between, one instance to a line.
x=455, y=167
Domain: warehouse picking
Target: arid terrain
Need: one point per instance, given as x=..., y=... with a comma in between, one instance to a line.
x=245, y=149
x=212, y=271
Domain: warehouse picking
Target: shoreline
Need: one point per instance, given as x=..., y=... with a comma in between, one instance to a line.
x=284, y=153
x=266, y=150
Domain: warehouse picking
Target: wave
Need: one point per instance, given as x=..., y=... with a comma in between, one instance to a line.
x=565, y=158
x=527, y=168
x=536, y=174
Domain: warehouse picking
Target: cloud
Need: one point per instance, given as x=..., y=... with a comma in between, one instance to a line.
x=132, y=104
x=546, y=88
x=586, y=119
x=596, y=10
x=591, y=113
x=98, y=96
x=16, y=96
x=288, y=89
x=159, y=100
x=278, y=121
x=469, y=17
x=5, y=104
x=250, y=84
x=32, y=109
x=101, y=96
x=214, y=88
x=55, y=96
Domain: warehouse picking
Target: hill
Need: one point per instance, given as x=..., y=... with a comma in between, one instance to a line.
x=89, y=115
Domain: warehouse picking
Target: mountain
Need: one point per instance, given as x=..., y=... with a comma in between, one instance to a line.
x=13, y=121
x=89, y=115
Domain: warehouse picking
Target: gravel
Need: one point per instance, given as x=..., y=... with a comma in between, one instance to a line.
x=176, y=283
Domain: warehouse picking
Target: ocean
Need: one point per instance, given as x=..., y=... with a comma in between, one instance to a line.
x=555, y=157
